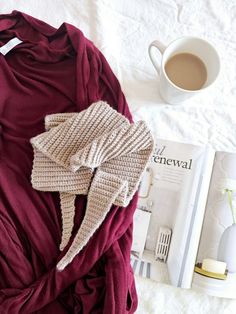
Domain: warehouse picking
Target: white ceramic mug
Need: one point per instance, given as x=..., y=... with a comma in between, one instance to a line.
x=170, y=92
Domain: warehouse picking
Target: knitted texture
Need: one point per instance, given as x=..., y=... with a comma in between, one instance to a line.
x=96, y=152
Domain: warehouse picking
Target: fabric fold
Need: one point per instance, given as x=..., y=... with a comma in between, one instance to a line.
x=57, y=73
x=96, y=152
x=119, y=142
x=102, y=194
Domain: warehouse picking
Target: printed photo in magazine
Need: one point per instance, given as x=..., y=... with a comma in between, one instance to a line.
x=171, y=243
x=215, y=269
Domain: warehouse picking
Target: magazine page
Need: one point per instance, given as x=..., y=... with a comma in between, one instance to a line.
x=215, y=269
x=196, y=221
x=167, y=198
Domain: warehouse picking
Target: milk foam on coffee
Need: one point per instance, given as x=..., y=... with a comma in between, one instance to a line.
x=187, y=71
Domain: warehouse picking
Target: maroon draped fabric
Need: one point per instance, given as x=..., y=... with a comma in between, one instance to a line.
x=54, y=70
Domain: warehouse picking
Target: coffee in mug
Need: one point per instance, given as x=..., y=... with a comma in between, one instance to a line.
x=186, y=71
x=186, y=67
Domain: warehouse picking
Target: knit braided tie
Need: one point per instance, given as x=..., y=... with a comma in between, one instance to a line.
x=96, y=152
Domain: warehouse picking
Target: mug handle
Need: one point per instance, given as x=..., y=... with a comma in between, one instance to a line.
x=153, y=56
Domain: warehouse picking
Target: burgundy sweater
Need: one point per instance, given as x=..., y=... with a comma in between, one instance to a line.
x=54, y=70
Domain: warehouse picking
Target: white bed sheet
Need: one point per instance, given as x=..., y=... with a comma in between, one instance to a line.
x=122, y=30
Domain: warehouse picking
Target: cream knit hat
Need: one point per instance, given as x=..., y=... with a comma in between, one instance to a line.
x=96, y=152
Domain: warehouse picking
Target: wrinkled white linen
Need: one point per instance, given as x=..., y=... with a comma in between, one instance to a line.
x=122, y=30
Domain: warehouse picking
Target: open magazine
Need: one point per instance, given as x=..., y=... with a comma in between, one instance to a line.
x=184, y=231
